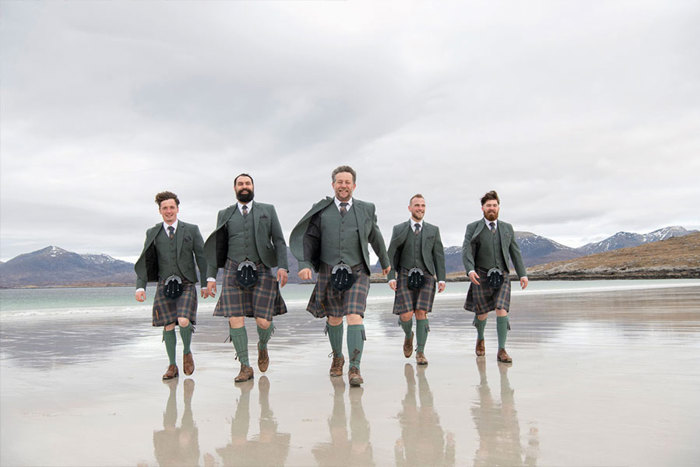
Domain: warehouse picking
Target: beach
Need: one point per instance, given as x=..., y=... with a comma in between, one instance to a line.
x=604, y=373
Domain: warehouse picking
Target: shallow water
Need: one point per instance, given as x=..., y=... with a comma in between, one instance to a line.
x=599, y=378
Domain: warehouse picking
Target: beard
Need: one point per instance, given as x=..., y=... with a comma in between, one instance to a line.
x=245, y=195
x=491, y=216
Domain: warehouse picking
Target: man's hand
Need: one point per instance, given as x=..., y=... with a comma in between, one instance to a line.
x=386, y=270
x=204, y=292
x=305, y=274
x=392, y=284
x=211, y=288
x=140, y=295
x=282, y=277
x=474, y=277
x=441, y=287
x=523, y=282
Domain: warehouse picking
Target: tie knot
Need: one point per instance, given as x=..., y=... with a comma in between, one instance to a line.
x=344, y=205
x=492, y=226
x=171, y=231
x=245, y=209
x=416, y=226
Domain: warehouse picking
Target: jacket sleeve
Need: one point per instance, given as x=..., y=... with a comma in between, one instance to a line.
x=199, y=255
x=377, y=242
x=278, y=240
x=467, y=255
x=516, y=257
x=211, y=249
x=439, y=257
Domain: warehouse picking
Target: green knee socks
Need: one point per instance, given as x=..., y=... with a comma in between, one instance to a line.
x=422, y=330
x=502, y=327
x=239, y=337
x=186, y=335
x=335, y=336
x=480, y=326
x=264, y=335
x=170, y=341
x=407, y=327
x=356, y=342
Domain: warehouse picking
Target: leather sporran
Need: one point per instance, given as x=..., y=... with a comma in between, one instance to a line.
x=494, y=278
x=416, y=279
x=342, y=277
x=172, y=287
x=247, y=274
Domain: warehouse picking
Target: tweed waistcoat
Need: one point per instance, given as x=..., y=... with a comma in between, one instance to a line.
x=489, y=254
x=241, y=238
x=167, y=255
x=340, y=241
x=411, y=256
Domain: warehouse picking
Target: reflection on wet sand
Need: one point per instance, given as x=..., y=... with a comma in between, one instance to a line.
x=422, y=439
x=342, y=450
x=498, y=425
x=177, y=446
x=267, y=448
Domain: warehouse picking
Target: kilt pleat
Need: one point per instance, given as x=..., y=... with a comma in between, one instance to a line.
x=407, y=300
x=167, y=310
x=264, y=300
x=326, y=301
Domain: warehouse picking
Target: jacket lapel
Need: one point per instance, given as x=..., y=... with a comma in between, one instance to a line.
x=180, y=237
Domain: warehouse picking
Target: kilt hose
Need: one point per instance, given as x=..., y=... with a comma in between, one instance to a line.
x=482, y=298
x=326, y=301
x=167, y=310
x=262, y=301
x=407, y=300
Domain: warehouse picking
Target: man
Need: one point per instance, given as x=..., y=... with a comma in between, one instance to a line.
x=248, y=242
x=168, y=257
x=488, y=245
x=417, y=254
x=332, y=239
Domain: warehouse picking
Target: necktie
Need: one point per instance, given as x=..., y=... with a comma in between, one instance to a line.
x=416, y=226
x=492, y=226
x=171, y=231
x=245, y=209
x=343, y=209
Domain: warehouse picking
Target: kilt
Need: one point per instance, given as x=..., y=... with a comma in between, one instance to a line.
x=167, y=311
x=262, y=301
x=407, y=300
x=482, y=298
x=326, y=301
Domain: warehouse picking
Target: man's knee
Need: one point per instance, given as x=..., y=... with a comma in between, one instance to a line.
x=335, y=320
x=354, y=319
x=482, y=316
x=501, y=312
x=183, y=322
x=236, y=322
x=170, y=327
x=263, y=323
x=421, y=314
x=406, y=316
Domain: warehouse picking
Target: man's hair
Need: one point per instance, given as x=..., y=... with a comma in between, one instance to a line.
x=491, y=195
x=163, y=195
x=417, y=195
x=243, y=175
x=344, y=168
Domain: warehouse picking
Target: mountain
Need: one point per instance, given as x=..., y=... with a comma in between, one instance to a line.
x=54, y=266
x=627, y=239
x=674, y=257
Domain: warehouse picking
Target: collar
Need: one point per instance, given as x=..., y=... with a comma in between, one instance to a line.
x=488, y=222
x=165, y=226
x=337, y=203
x=414, y=222
x=249, y=204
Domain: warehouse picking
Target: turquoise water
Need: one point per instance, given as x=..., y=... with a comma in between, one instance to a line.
x=82, y=302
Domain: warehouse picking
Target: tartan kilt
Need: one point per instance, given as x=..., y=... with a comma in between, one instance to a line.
x=326, y=301
x=407, y=300
x=262, y=301
x=167, y=311
x=482, y=298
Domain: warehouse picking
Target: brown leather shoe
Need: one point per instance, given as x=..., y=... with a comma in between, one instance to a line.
x=480, y=348
x=263, y=359
x=245, y=374
x=408, y=346
x=188, y=363
x=420, y=358
x=503, y=356
x=354, y=376
x=171, y=373
x=337, y=366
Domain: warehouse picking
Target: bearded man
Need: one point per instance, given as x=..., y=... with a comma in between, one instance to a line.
x=488, y=245
x=248, y=242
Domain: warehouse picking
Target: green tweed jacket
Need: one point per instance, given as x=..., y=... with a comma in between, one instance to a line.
x=431, y=249
x=269, y=239
x=190, y=246
x=305, y=241
x=509, y=246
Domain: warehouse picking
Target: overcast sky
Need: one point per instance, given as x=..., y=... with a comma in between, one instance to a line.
x=584, y=116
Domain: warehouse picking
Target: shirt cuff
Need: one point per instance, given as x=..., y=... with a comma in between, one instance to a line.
x=140, y=289
x=211, y=279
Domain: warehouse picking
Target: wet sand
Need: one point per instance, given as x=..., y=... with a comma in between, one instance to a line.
x=603, y=379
